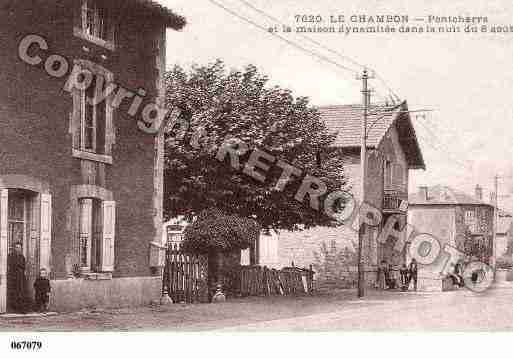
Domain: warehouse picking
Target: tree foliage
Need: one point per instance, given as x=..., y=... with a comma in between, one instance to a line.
x=214, y=231
x=242, y=105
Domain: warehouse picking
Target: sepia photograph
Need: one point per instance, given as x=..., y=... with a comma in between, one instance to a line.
x=286, y=171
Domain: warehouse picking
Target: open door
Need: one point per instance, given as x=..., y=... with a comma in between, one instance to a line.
x=3, y=249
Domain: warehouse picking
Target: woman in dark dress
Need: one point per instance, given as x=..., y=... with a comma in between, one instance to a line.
x=16, y=280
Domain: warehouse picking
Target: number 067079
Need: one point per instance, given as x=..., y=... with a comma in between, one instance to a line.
x=26, y=345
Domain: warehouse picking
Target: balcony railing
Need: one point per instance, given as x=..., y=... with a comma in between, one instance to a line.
x=395, y=201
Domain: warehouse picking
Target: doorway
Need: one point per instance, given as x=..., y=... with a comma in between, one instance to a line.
x=20, y=225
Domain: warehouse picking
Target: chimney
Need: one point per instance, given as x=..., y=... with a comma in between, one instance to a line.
x=479, y=192
x=423, y=190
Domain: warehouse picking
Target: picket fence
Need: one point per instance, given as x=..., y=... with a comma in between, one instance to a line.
x=263, y=281
x=185, y=276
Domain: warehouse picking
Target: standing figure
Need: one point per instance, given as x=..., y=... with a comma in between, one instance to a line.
x=16, y=280
x=404, y=277
x=391, y=281
x=382, y=275
x=413, y=270
x=42, y=291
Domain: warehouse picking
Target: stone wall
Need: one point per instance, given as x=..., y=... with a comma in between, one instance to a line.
x=77, y=294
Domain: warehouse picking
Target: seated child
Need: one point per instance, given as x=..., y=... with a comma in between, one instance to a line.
x=42, y=291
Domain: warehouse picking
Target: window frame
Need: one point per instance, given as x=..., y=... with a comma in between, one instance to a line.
x=94, y=257
x=78, y=117
x=388, y=174
x=83, y=123
x=471, y=220
x=79, y=30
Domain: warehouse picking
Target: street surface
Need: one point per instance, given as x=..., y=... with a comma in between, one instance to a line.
x=458, y=310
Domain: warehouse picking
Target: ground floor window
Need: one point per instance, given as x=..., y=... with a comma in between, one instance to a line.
x=96, y=235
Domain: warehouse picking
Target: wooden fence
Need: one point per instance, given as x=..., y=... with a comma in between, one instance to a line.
x=185, y=276
x=257, y=280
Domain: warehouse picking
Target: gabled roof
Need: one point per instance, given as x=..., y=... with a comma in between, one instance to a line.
x=443, y=195
x=171, y=19
x=346, y=120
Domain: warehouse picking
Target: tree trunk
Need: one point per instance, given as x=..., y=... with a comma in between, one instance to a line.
x=223, y=269
x=214, y=266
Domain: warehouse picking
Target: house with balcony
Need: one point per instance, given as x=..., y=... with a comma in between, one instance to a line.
x=80, y=181
x=392, y=151
x=456, y=219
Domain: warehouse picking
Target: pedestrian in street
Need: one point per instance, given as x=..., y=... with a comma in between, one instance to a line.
x=382, y=275
x=457, y=276
x=16, y=280
x=404, y=277
x=412, y=272
x=42, y=291
x=391, y=280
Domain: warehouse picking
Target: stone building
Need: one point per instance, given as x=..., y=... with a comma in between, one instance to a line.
x=456, y=219
x=393, y=151
x=80, y=181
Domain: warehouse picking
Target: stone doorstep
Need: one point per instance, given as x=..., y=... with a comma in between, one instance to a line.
x=27, y=315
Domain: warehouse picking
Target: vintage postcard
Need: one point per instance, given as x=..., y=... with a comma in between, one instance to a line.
x=254, y=166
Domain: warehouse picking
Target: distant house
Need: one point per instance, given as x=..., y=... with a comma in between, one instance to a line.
x=393, y=151
x=462, y=221
x=80, y=183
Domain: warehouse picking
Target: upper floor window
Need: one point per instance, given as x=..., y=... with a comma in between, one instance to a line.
x=470, y=220
x=92, y=121
x=92, y=117
x=387, y=172
x=95, y=23
x=394, y=176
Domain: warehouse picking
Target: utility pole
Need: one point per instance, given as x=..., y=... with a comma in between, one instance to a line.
x=495, y=220
x=363, y=170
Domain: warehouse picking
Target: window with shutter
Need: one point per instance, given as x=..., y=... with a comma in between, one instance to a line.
x=109, y=233
x=3, y=249
x=45, y=239
x=85, y=236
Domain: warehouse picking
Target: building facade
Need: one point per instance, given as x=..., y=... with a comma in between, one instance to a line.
x=392, y=152
x=80, y=182
x=456, y=219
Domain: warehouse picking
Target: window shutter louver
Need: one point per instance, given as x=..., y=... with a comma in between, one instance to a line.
x=3, y=249
x=45, y=239
x=109, y=232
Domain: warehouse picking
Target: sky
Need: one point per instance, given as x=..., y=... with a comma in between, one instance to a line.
x=464, y=79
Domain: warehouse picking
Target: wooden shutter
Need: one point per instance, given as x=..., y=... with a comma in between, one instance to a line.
x=45, y=239
x=109, y=233
x=3, y=249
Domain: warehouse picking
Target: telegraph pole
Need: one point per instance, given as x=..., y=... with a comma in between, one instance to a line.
x=495, y=219
x=363, y=170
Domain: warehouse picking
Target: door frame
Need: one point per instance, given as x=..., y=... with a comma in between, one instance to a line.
x=21, y=182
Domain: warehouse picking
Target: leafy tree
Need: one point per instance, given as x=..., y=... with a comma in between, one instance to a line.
x=214, y=231
x=241, y=104
x=220, y=237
